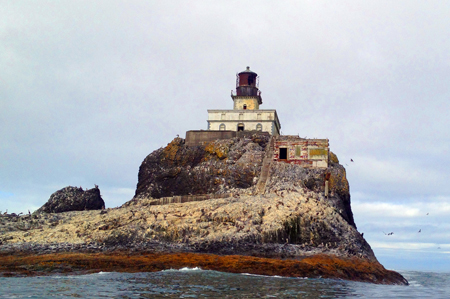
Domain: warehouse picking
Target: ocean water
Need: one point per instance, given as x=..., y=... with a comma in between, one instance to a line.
x=197, y=283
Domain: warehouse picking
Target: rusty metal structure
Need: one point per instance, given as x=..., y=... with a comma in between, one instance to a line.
x=247, y=85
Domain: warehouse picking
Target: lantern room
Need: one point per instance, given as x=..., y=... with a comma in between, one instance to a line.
x=247, y=96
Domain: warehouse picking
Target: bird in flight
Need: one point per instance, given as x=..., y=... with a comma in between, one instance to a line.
x=389, y=234
x=351, y=160
x=420, y=230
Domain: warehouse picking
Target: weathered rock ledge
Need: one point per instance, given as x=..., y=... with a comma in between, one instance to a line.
x=201, y=206
x=265, y=230
x=318, y=266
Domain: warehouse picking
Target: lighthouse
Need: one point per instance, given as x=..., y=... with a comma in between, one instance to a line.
x=245, y=115
x=247, y=94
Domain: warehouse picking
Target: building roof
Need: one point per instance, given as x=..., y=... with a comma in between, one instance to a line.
x=247, y=70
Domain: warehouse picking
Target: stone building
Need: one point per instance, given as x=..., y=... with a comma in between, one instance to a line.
x=304, y=152
x=245, y=115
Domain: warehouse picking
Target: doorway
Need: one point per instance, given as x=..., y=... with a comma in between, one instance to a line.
x=240, y=127
x=283, y=153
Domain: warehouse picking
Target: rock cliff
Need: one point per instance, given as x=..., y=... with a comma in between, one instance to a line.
x=234, y=166
x=205, y=200
x=73, y=199
x=217, y=167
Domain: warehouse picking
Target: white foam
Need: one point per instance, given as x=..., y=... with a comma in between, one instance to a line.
x=183, y=269
x=191, y=269
x=259, y=275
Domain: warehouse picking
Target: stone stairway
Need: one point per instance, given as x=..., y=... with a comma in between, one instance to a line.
x=265, y=168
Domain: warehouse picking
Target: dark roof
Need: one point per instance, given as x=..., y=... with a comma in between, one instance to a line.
x=247, y=70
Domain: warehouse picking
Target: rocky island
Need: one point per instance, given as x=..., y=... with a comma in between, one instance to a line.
x=223, y=205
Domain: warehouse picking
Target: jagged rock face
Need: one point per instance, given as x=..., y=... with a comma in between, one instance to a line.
x=212, y=168
x=234, y=164
x=290, y=177
x=73, y=199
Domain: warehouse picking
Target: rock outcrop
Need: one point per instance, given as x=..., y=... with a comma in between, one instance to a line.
x=216, y=167
x=73, y=199
x=205, y=200
x=234, y=166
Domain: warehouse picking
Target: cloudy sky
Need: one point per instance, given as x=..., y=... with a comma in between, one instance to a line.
x=89, y=88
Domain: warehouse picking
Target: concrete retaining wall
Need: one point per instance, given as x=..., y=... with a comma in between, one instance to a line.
x=198, y=137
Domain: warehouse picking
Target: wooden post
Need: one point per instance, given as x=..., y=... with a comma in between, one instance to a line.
x=327, y=178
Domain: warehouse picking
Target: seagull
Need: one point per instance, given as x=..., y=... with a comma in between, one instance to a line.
x=351, y=160
x=388, y=234
x=428, y=213
x=420, y=230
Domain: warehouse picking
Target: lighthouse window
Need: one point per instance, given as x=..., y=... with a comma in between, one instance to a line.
x=223, y=116
x=259, y=127
x=251, y=80
x=222, y=127
x=245, y=106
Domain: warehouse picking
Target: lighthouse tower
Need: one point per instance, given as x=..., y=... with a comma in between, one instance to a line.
x=247, y=94
x=246, y=115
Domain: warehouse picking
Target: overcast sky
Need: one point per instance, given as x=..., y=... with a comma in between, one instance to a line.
x=89, y=88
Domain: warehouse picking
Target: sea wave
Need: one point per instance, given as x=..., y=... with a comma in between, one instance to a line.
x=183, y=269
x=272, y=276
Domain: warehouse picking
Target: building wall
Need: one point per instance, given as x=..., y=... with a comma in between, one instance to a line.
x=266, y=126
x=246, y=114
x=251, y=102
x=304, y=152
x=196, y=137
x=267, y=119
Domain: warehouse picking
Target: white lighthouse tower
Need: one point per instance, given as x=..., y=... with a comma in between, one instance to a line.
x=246, y=115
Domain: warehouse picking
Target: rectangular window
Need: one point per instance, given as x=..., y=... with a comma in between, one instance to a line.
x=298, y=151
x=259, y=116
x=241, y=116
x=223, y=116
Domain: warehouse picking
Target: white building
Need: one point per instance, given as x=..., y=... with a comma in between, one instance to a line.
x=246, y=115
